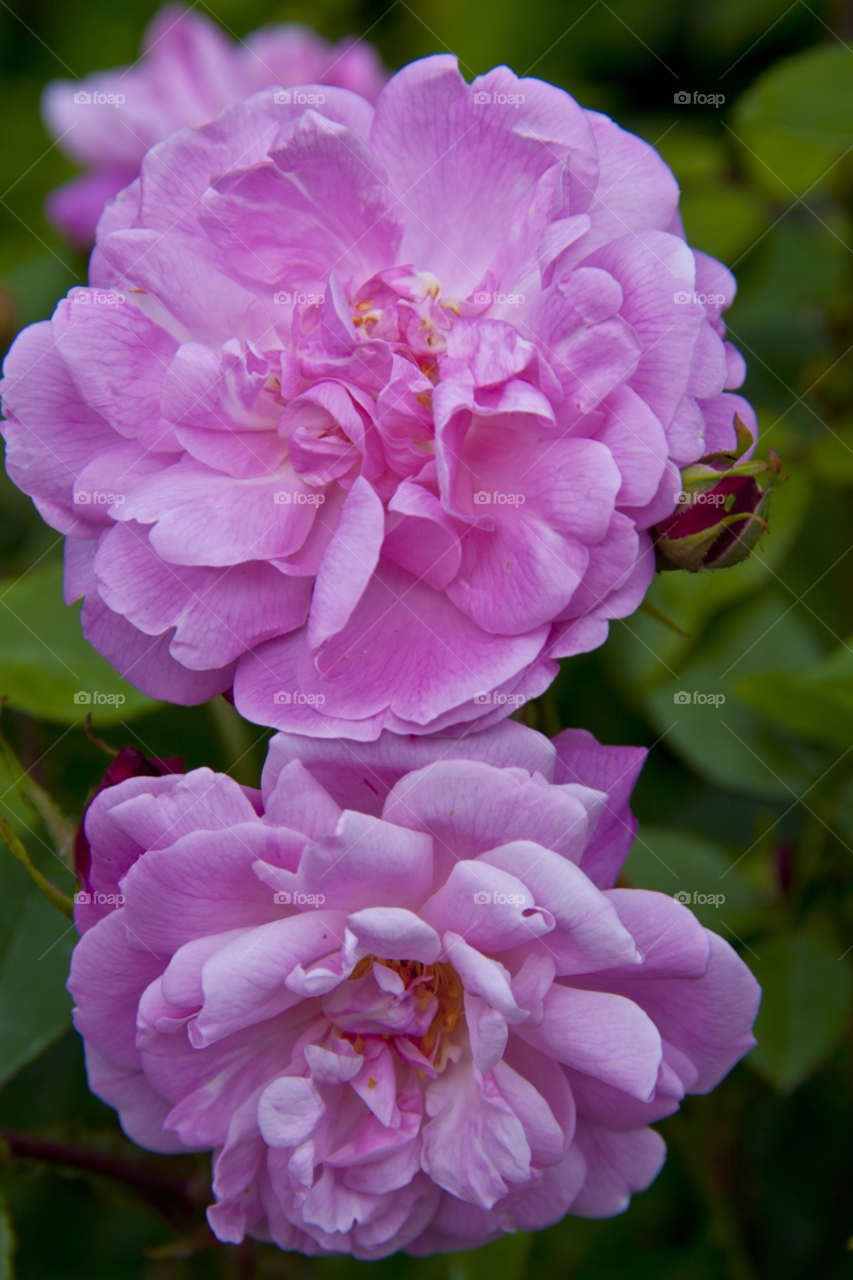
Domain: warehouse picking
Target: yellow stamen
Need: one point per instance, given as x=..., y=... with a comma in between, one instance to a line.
x=439, y=981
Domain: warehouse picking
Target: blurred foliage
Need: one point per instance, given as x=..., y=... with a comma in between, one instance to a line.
x=746, y=804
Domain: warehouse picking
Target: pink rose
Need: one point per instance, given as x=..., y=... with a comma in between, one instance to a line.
x=395, y=991
x=187, y=72
x=369, y=411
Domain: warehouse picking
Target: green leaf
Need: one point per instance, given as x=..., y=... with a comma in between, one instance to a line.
x=35, y=949
x=689, y=866
x=723, y=221
x=817, y=703
x=803, y=708
x=38, y=284
x=45, y=660
x=695, y=154
x=797, y=119
x=805, y=1008
x=725, y=740
x=833, y=457
x=731, y=26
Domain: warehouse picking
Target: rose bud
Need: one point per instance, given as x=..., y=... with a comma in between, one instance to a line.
x=722, y=510
x=128, y=763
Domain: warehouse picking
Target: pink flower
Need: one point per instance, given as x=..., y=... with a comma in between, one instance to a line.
x=369, y=411
x=395, y=991
x=187, y=72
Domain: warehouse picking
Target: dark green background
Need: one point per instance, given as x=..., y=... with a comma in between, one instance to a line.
x=753, y=799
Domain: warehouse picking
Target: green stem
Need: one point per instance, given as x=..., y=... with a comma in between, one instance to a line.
x=50, y=891
x=654, y=612
x=61, y=830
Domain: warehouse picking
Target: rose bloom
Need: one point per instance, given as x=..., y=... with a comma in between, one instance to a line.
x=395, y=990
x=127, y=763
x=187, y=72
x=367, y=411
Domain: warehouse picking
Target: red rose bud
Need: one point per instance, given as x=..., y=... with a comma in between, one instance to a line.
x=722, y=510
x=128, y=763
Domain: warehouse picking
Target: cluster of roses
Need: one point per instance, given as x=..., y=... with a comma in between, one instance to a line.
x=393, y=398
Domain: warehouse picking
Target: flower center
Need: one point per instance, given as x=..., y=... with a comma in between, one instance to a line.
x=425, y=982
